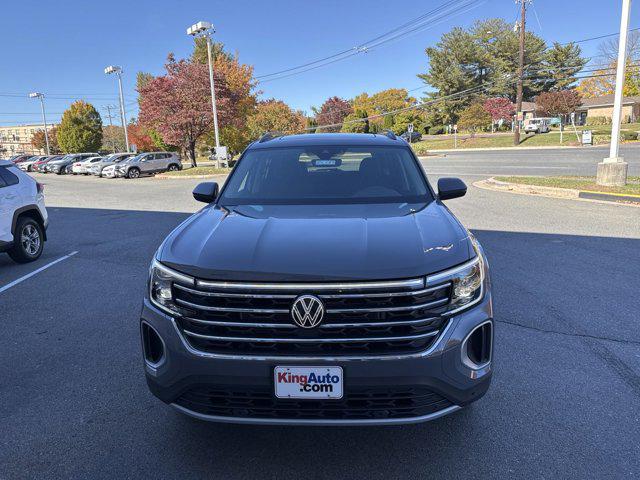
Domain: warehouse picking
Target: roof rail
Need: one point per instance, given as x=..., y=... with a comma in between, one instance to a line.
x=269, y=136
x=390, y=134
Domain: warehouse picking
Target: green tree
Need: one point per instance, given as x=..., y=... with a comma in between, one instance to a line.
x=80, y=129
x=561, y=64
x=474, y=118
x=481, y=60
x=402, y=120
x=356, y=122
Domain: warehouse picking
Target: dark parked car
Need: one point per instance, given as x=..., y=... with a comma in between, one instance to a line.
x=415, y=136
x=60, y=166
x=327, y=283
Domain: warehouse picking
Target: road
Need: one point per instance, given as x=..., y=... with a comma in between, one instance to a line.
x=564, y=402
x=560, y=161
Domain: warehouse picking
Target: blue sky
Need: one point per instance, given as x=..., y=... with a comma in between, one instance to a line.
x=61, y=48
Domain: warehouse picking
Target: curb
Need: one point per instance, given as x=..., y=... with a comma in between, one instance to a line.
x=555, y=192
x=187, y=177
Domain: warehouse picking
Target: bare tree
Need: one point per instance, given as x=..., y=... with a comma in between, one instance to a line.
x=608, y=49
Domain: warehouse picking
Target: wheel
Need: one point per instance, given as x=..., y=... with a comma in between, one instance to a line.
x=133, y=173
x=28, y=241
x=173, y=167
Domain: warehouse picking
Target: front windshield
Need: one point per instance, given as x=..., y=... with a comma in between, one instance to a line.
x=326, y=175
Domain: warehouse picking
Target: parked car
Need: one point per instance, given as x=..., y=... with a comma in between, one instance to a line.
x=327, y=283
x=412, y=137
x=27, y=165
x=60, y=166
x=40, y=165
x=23, y=216
x=82, y=167
x=148, y=163
x=109, y=171
x=537, y=125
x=21, y=158
x=96, y=168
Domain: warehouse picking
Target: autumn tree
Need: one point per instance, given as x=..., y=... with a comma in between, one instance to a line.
x=499, y=108
x=381, y=102
x=178, y=104
x=474, y=118
x=332, y=113
x=80, y=129
x=39, y=142
x=140, y=136
x=603, y=82
x=275, y=116
x=563, y=102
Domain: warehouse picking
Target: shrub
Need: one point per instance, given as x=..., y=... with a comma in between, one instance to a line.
x=436, y=130
x=628, y=136
x=598, y=121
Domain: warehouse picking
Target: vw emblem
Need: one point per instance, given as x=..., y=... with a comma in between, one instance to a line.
x=307, y=311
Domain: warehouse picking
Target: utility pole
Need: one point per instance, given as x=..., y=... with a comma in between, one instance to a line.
x=522, y=26
x=44, y=118
x=612, y=171
x=110, y=117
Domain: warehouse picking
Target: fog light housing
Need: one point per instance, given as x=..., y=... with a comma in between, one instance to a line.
x=477, y=347
x=152, y=345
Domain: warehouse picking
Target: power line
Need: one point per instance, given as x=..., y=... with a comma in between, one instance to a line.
x=418, y=23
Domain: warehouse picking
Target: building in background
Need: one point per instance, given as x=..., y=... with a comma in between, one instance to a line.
x=17, y=139
x=600, y=110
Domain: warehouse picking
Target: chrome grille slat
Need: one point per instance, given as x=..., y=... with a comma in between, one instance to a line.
x=361, y=318
x=309, y=340
x=389, y=309
x=413, y=283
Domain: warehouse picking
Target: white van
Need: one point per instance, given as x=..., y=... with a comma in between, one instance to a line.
x=537, y=125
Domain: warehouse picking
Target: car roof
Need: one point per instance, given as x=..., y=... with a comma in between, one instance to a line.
x=6, y=163
x=341, y=139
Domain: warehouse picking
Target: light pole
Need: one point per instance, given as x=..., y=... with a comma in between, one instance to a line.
x=44, y=117
x=118, y=71
x=612, y=171
x=205, y=29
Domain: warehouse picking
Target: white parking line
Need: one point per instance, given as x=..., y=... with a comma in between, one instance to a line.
x=29, y=275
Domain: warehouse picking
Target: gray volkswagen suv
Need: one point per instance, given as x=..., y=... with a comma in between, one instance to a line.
x=326, y=283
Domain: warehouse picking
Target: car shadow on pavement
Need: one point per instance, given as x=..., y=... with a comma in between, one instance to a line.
x=567, y=364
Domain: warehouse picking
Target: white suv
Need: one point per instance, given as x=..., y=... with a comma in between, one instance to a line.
x=23, y=216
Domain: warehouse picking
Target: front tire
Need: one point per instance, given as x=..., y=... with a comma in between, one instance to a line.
x=173, y=167
x=133, y=173
x=28, y=242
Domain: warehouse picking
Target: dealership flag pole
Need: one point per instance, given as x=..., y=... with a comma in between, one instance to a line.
x=612, y=171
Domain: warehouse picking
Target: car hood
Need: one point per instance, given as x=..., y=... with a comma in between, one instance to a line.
x=317, y=243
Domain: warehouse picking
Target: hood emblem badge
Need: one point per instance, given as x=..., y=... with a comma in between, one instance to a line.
x=307, y=311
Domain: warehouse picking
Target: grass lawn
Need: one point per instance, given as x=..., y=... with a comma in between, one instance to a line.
x=198, y=171
x=601, y=135
x=578, y=183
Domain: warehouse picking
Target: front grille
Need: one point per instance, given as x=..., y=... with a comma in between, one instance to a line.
x=369, y=318
x=359, y=404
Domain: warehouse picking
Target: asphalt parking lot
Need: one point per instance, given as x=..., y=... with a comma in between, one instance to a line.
x=564, y=403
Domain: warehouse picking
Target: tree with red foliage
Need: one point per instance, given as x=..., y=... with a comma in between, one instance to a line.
x=178, y=105
x=332, y=113
x=139, y=136
x=499, y=108
x=563, y=102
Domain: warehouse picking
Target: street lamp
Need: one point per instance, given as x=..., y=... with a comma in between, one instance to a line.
x=205, y=29
x=44, y=117
x=118, y=71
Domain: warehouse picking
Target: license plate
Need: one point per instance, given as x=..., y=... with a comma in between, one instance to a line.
x=308, y=382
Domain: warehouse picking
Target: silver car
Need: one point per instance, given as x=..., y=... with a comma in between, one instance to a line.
x=149, y=163
x=114, y=158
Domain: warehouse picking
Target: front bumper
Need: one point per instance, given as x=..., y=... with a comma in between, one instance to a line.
x=440, y=370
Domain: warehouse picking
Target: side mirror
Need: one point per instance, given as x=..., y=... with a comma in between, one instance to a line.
x=449, y=188
x=206, y=192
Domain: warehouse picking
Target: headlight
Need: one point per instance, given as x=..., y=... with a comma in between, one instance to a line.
x=161, y=280
x=467, y=284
